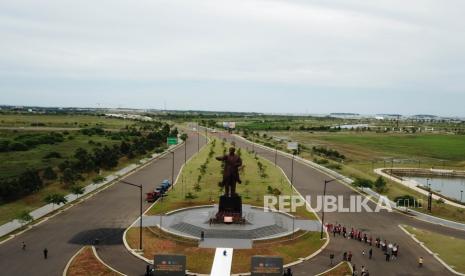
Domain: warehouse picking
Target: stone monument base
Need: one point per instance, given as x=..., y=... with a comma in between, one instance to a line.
x=229, y=210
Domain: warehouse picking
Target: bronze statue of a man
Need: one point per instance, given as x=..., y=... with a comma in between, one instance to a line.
x=232, y=163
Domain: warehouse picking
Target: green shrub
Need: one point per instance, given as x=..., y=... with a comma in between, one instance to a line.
x=363, y=183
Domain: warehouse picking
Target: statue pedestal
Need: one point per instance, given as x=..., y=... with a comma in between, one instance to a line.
x=230, y=210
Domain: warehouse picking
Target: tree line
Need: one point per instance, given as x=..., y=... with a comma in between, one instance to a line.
x=134, y=142
x=28, y=141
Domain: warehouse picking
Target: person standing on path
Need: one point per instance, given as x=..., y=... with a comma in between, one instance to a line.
x=420, y=262
x=45, y=253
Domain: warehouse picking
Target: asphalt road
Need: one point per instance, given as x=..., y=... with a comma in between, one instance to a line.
x=309, y=181
x=105, y=216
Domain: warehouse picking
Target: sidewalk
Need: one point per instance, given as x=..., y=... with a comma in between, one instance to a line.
x=41, y=212
x=414, y=186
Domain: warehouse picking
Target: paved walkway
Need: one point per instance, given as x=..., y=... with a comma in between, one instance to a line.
x=222, y=262
x=414, y=186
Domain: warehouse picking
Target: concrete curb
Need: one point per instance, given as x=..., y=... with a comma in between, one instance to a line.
x=65, y=271
x=326, y=271
x=105, y=264
x=443, y=222
x=128, y=248
x=435, y=255
x=413, y=185
x=133, y=252
x=301, y=260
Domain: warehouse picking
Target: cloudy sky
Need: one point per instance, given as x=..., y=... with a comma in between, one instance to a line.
x=313, y=56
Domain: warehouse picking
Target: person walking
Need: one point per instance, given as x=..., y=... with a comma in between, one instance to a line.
x=344, y=256
x=370, y=253
x=420, y=262
x=23, y=246
x=288, y=272
x=45, y=253
x=354, y=271
x=363, y=253
x=349, y=258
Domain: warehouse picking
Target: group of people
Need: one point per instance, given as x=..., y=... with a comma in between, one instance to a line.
x=45, y=251
x=390, y=250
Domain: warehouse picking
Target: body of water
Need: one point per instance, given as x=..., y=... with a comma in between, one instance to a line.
x=448, y=186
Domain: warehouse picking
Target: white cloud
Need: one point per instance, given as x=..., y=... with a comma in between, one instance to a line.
x=405, y=45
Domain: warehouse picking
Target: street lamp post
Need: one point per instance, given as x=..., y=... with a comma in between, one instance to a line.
x=276, y=156
x=140, y=218
x=323, y=204
x=292, y=168
x=172, y=169
x=185, y=151
x=198, y=141
x=430, y=195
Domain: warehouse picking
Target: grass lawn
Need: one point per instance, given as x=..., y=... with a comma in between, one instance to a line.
x=86, y=264
x=252, y=189
x=376, y=146
x=61, y=120
x=16, y=162
x=449, y=249
x=290, y=250
x=200, y=260
x=342, y=269
x=366, y=151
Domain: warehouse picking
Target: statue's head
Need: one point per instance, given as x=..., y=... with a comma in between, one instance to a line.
x=232, y=150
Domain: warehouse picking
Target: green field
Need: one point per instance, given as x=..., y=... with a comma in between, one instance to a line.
x=252, y=189
x=206, y=191
x=378, y=146
x=16, y=162
x=449, y=249
x=367, y=151
x=71, y=129
x=21, y=120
